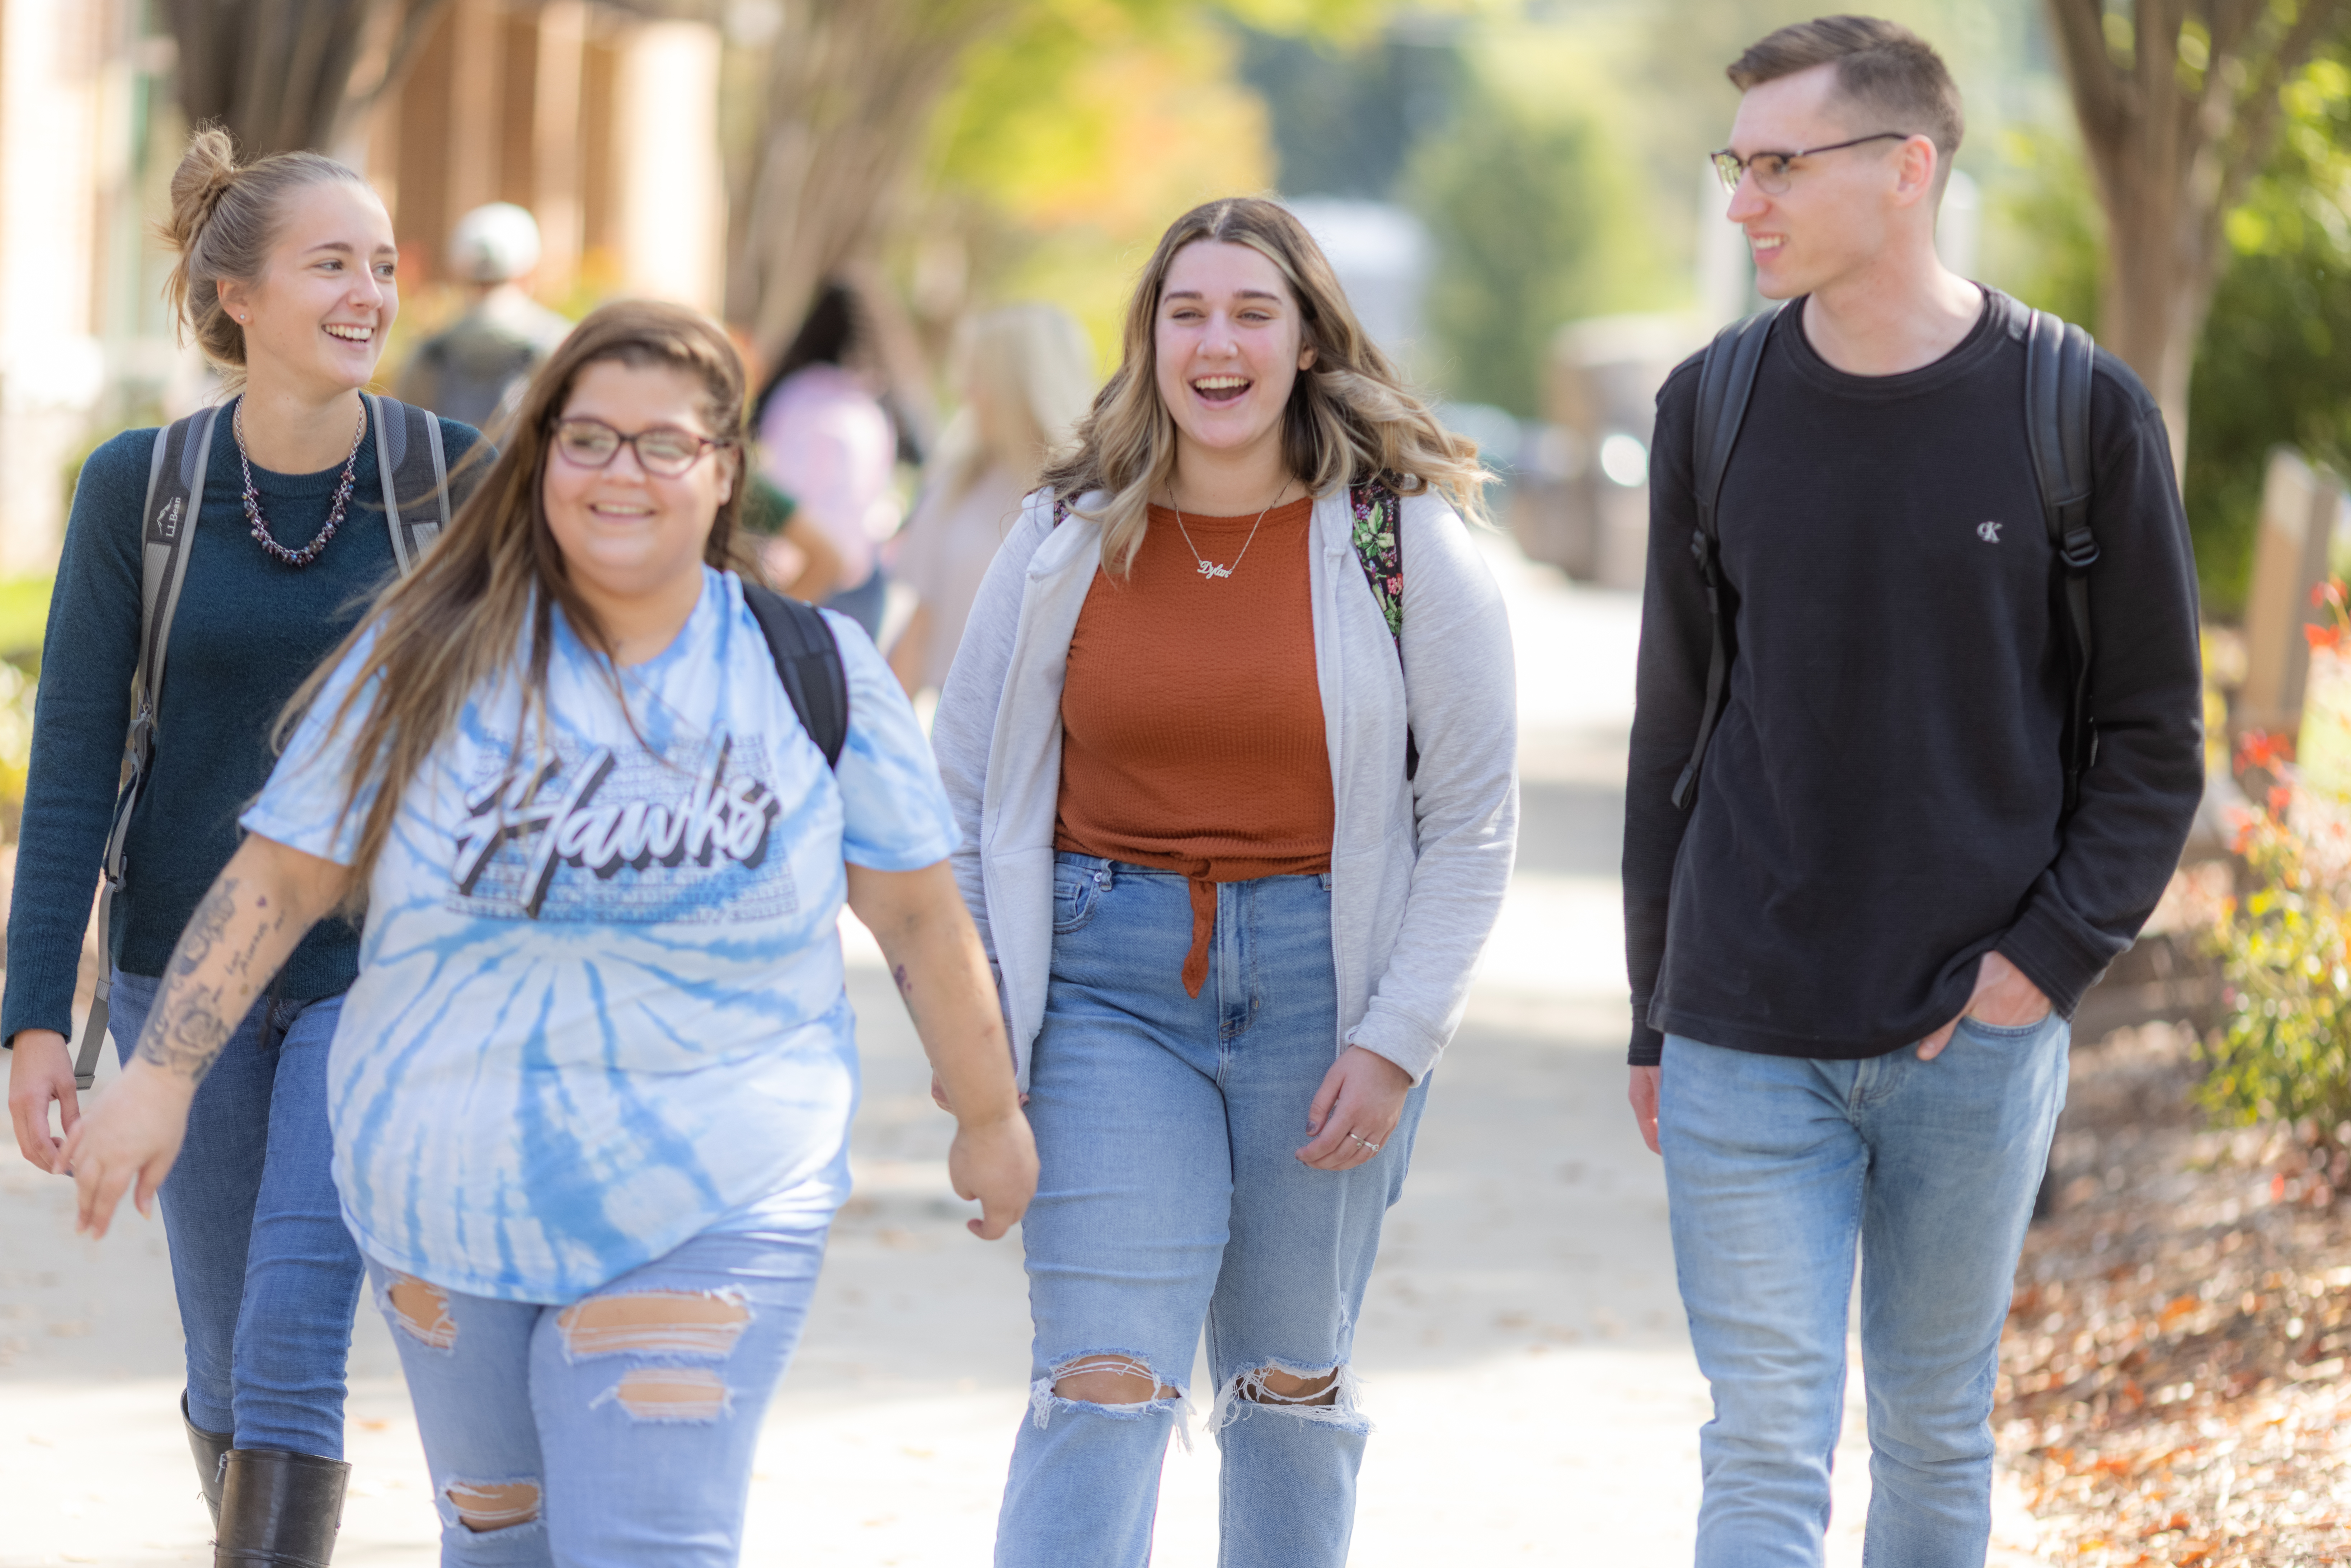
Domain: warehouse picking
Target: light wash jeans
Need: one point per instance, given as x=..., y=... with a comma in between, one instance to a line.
x=1168, y=1128
x=1776, y=1169
x=613, y=1432
x=265, y=1271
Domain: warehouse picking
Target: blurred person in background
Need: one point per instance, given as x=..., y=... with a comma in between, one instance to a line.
x=286, y=279
x=1235, y=921
x=475, y=369
x=1025, y=375
x=827, y=442
x=591, y=1090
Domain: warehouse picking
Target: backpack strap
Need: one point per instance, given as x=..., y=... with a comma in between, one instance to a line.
x=1378, y=535
x=410, y=461
x=2060, y=362
x=175, y=491
x=807, y=660
x=1726, y=380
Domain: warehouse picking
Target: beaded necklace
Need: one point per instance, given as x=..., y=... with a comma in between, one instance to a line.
x=261, y=534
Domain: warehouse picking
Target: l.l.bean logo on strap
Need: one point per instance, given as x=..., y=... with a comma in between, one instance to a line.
x=167, y=521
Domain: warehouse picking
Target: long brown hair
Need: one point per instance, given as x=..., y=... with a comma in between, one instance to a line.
x=484, y=597
x=1350, y=420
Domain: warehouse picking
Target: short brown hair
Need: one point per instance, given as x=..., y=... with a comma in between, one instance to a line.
x=1880, y=65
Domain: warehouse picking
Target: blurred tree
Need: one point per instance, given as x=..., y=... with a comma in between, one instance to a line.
x=2273, y=364
x=2047, y=236
x=284, y=75
x=1535, y=198
x=2178, y=102
x=2276, y=366
x=848, y=93
x=1054, y=194
x=1515, y=208
x=1345, y=119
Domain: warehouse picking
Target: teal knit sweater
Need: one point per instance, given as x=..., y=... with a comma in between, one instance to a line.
x=247, y=630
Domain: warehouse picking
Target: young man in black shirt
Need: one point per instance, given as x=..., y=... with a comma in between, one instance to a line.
x=1854, y=955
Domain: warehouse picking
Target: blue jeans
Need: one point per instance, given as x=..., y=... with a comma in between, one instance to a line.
x=613, y=1432
x=1776, y=1167
x=1170, y=1193
x=265, y=1269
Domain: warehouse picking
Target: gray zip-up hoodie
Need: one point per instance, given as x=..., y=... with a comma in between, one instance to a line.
x=1418, y=867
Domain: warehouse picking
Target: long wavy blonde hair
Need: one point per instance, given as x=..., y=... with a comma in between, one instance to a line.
x=1351, y=419
x=486, y=594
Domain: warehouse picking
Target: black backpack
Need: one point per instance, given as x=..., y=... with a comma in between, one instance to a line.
x=2059, y=361
x=808, y=661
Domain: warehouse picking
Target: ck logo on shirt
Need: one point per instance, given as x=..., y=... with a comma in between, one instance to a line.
x=670, y=831
x=1987, y=532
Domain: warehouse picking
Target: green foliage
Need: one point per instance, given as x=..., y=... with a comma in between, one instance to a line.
x=1344, y=119
x=1514, y=203
x=24, y=616
x=1071, y=137
x=2275, y=362
x=2285, y=1054
x=2045, y=240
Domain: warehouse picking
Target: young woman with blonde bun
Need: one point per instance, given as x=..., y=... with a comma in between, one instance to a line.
x=1237, y=803
x=1026, y=375
x=590, y=1094
x=286, y=278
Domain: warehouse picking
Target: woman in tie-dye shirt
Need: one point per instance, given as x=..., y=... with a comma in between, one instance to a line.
x=590, y=1095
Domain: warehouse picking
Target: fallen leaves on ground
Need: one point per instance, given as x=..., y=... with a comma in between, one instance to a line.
x=2173, y=1375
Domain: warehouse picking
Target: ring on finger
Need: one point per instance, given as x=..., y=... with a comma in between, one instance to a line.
x=1364, y=1142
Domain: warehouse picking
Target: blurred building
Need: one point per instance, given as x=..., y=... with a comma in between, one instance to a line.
x=600, y=118
x=1583, y=505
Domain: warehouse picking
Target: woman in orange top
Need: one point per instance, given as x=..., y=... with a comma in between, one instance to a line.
x=1239, y=809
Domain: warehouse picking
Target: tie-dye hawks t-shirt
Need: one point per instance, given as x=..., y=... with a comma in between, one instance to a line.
x=599, y=1007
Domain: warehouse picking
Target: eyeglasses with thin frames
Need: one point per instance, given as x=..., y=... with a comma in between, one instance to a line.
x=1772, y=170
x=663, y=449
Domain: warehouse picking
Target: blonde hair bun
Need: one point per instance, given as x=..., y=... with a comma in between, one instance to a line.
x=225, y=218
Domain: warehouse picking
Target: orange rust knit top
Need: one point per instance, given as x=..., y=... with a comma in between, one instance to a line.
x=1192, y=717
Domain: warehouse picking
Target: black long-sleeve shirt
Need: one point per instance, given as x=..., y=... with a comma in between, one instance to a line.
x=1880, y=805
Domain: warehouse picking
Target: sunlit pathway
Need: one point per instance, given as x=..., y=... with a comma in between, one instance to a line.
x=1523, y=1350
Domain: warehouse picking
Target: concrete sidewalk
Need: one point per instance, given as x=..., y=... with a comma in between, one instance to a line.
x=1524, y=1349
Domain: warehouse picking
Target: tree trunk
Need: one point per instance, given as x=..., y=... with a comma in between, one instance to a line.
x=851, y=85
x=2179, y=108
x=289, y=74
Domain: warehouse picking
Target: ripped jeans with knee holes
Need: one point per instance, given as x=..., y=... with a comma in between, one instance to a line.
x=615, y=1431
x=1170, y=1199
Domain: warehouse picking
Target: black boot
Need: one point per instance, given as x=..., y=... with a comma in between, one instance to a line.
x=209, y=1449
x=279, y=1509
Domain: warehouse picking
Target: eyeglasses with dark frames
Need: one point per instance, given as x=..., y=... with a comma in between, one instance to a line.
x=1772, y=170
x=663, y=449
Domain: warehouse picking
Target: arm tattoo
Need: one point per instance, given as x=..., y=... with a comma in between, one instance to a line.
x=195, y=1017
x=905, y=983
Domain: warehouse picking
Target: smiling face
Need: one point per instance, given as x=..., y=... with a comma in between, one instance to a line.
x=317, y=316
x=1839, y=209
x=626, y=535
x=1229, y=343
